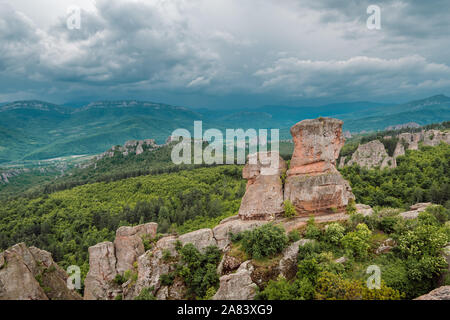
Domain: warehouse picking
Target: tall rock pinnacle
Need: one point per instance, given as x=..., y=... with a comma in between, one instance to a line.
x=313, y=184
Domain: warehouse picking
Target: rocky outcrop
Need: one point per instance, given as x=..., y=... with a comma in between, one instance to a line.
x=129, y=246
x=201, y=239
x=435, y=137
x=364, y=209
x=98, y=284
x=232, y=226
x=237, y=286
x=313, y=184
x=415, y=209
x=403, y=126
x=442, y=293
x=288, y=263
x=31, y=274
x=108, y=259
x=263, y=199
x=371, y=155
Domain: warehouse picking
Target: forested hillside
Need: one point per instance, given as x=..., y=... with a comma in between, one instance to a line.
x=67, y=223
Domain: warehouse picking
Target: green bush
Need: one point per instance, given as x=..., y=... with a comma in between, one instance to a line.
x=294, y=236
x=312, y=231
x=264, y=241
x=423, y=240
x=334, y=233
x=289, y=209
x=146, y=294
x=357, y=242
x=199, y=270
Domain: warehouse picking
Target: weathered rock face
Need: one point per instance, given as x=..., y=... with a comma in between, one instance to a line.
x=415, y=209
x=364, y=209
x=372, y=154
x=411, y=139
x=288, y=264
x=223, y=230
x=317, y=145
x=107, y=259
x=129, y=246
x=31, y=274
x=201, y=239
x=313, y=185
x=434, y=137
x=442, y=293
x=237, y=286
x=98, y=284
x=263, y=199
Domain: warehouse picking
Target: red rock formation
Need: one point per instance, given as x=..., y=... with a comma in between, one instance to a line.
x=314, y=185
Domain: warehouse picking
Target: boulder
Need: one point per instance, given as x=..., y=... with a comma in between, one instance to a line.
x=415, y=209
x=222, y=231
x=364, y=209
x=99, y=283
x=31, y=274
x=200, y=238
x=442, y=293
x=313, y=184
x=237, y=286
x=263, y=198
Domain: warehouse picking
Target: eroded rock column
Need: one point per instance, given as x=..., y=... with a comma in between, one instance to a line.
x=313, y=184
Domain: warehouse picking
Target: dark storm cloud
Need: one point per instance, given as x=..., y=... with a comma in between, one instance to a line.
x=198, y=51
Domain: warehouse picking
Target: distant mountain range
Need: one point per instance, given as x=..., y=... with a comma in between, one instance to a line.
x=34, y=130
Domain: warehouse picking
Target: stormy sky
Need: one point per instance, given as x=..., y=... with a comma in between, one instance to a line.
x=224, y=53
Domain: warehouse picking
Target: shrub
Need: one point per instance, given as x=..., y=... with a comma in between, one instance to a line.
x=312, y=231
x=439, y=212
x=167, y=279
x=264, y=241
x=357, y=242
x=289, y=209
x=334, y=233
x=335, y=287
x=351, y=207
x=146, y=294
x=423, y=240
x=294, y=235
x=388, y=224
x=199, y=270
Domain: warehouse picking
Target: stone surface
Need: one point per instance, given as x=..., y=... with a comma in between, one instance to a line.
x=317, y=145
x=341, y=260
x=318, y=194
x=230, y=264
x=313, y=184
x=31, y=274
x=415, y=209
x=102, y=271
x=364, y=209
x=371, y=155
x=129, y=246
x=288, y=263
x=200, y=238
x=442, y=293
x=222, y=231
x=263, y=199
x=237, y=286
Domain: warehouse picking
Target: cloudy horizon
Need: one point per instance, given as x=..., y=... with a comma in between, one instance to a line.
x=224, y=53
